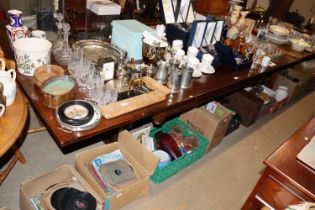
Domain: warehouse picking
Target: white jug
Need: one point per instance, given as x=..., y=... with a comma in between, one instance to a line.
x=7, y=78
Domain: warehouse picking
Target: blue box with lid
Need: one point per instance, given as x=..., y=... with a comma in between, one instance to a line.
x=127, y=35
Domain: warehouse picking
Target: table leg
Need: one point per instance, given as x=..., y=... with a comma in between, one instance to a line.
x=18, y=156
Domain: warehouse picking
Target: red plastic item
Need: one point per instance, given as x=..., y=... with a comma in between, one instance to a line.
x=166, y=143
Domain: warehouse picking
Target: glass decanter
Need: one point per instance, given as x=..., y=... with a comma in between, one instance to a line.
x=59, y=42
x=64, y=53
x=101, y=26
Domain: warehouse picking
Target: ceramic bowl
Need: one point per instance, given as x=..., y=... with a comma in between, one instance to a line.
x=45, y=72
x=31, y=53
x=58, y=90
x=279, y=30
x=299, y=44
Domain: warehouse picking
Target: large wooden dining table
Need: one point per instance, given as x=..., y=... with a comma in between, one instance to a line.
x=203, y=90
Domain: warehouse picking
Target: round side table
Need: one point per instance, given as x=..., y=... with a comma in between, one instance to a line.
x=11, y=127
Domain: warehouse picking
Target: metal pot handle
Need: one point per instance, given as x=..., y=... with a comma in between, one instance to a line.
x=13, y=73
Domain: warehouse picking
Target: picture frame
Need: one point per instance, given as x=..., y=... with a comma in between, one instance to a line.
x=205, y=32
x=169, y=14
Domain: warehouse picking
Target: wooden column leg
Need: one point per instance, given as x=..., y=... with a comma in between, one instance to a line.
x=41, y=126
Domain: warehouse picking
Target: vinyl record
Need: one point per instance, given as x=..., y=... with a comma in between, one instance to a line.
x=75, y=112
x=81, y=201
x=60, y=196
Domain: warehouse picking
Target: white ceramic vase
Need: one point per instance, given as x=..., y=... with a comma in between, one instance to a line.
x=31, y=53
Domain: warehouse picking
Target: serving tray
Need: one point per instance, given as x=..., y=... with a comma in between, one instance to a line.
x=158, y=94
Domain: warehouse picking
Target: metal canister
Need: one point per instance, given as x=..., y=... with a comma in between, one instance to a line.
x=186, y=78
x=175, y=80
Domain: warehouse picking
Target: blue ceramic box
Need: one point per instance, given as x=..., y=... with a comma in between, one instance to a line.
x=127, y=35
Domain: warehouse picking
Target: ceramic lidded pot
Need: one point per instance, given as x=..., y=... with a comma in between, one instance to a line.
x=7, y=78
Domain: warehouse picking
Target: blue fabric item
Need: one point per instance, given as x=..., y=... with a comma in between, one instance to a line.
x=107, y=203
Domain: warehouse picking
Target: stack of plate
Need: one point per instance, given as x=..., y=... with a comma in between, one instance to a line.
x=78, y=115
x=278, y=34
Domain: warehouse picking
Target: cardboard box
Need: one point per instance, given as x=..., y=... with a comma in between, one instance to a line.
x=246, y=104
x=250, y=106
x=48, y=180
x=287, y=79
x=307, y=76
x=212, y=125
x=103, y=7
x=143, y=161
x=127, y=35
x=234, y=123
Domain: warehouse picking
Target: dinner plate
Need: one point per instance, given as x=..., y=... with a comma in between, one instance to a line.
x=75, y=112
x=277, y=40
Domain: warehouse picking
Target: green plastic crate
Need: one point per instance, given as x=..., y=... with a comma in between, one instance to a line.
x=161, y=174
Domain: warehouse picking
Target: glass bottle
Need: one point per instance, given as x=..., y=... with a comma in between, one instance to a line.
x=63, y=54
x=59, y=42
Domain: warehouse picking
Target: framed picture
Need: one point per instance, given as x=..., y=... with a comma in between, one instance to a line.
x=218, y=32
x=185, y=14
x=205, y=32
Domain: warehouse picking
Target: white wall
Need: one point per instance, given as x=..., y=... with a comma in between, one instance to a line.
x=305, y=7
x=262, y=3
x=27, y=6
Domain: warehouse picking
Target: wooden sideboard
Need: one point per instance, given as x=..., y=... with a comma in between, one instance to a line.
x=286, y=180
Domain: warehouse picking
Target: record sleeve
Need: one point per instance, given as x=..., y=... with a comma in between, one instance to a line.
x=118, y=172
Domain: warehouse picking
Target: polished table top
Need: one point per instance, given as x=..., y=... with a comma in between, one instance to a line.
x=284, y=160
x=203, y=89
x=13, y=122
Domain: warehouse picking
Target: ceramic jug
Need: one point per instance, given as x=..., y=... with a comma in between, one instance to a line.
x=2, y=101
x=7, y=78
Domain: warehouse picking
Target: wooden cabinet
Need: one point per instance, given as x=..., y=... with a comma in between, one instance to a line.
x=286, y=180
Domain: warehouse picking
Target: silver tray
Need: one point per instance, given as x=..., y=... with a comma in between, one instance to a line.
x=95, y=49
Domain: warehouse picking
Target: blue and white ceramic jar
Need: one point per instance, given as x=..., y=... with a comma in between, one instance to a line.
x=15, y=17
